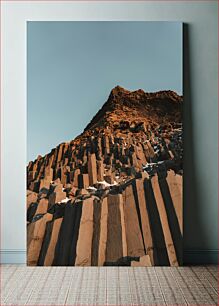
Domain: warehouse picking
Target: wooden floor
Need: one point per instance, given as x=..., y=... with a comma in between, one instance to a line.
x=23, y=285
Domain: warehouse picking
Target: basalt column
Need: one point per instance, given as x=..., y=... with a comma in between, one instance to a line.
x=147, y=235
x=114, y=248
x=92, y=169
x=85, y=236
x=135, y=245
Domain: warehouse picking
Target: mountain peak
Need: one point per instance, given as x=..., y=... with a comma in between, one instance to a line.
x=138, y=105
x=118, y=90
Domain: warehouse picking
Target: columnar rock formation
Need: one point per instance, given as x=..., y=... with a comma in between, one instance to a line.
x=113, y=195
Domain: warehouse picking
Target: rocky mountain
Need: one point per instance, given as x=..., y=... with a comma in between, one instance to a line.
x=113, y=195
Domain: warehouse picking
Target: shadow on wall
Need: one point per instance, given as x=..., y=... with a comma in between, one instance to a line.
x=193, y=229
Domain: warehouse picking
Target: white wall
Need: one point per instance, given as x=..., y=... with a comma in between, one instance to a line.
x=200, y=126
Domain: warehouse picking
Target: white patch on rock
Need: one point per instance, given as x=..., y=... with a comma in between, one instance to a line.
x=65, y=200
x=91, y=188
x=107, y=184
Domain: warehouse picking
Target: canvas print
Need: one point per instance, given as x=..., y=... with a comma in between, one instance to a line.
x=105, y=144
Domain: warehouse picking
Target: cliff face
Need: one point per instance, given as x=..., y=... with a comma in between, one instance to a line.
x=113, y=195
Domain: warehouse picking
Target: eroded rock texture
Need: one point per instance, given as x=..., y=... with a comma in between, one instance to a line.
x=113, y=195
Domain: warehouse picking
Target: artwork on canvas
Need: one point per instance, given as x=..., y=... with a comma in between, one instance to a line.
x=104, y=168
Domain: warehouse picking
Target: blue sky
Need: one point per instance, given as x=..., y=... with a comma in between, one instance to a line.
x=72, y=67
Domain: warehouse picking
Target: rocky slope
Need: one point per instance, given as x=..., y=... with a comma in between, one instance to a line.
x=113, y=195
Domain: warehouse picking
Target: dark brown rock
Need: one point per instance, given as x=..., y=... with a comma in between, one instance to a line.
x=113, y=195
